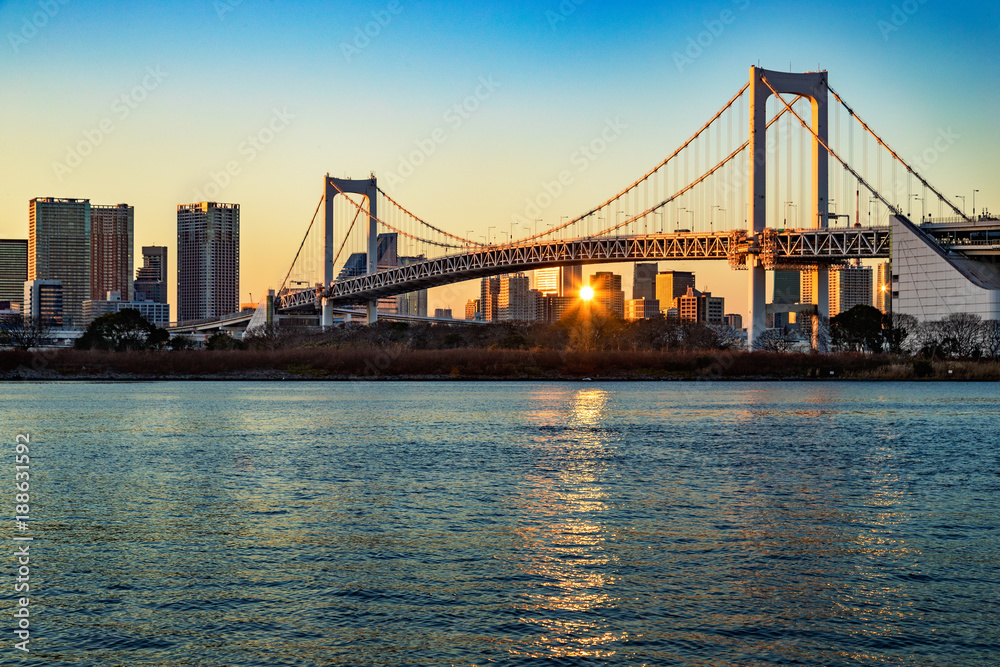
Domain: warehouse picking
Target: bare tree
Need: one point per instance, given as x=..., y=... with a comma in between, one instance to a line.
x=991, y=338
x=775, y=340
x=962, y=334
x=24, y=333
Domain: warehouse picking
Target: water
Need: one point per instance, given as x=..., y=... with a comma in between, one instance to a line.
x=474, y=523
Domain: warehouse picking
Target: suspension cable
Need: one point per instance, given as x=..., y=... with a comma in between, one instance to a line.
x=311, y=222
x=893, y=153
x=424, y=222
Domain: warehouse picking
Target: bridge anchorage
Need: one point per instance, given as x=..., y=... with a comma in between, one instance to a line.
x=711, y=177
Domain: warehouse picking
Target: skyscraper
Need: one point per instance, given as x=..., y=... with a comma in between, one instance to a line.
x=644, y=281
x=208, y=260
x=59, y=249
x=43, y=302
x=883, y=287
x=559, y=280
x=515, y=300
x=151, y=278
x=850, y=287
x=608, y=292
x=489, y=293
x=13, y=269
x=111, y=241
x=672, y=285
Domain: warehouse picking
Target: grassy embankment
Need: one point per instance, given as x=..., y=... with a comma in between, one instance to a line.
x=388, y=362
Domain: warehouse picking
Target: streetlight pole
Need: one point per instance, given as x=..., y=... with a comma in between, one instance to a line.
x=908, y=205
x=974, y=203
x=711, y=221
x=921, y=200
x=489, y=233
x=962, y=197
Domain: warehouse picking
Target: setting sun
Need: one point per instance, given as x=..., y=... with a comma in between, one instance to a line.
x=587, y=293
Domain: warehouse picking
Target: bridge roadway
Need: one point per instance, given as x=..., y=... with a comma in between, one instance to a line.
x=776, y=248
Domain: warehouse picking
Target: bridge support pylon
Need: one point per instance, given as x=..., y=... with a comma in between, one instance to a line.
x=813, y=86
x=368, y=188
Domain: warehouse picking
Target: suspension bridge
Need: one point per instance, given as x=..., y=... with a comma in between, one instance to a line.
x=786, y=175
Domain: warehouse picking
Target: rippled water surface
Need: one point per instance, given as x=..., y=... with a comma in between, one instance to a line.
x=499, y=523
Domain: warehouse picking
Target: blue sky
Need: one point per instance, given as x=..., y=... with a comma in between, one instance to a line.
x=226, y=69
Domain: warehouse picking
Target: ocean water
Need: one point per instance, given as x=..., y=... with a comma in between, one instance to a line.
x=511, y=523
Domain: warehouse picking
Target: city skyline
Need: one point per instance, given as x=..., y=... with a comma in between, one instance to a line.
x=510, y=114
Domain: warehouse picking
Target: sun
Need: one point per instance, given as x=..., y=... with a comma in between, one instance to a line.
x=587, y=293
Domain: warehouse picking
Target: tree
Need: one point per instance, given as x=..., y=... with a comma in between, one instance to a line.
x=991, y=338
x=858, y=329
x=962, y=334
x=775, y=340
x=266, y=337
x=223, y=341
x=24, y=333
x=897, y=329
x=122, y=331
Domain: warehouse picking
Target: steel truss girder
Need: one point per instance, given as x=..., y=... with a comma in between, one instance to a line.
x=787, y=247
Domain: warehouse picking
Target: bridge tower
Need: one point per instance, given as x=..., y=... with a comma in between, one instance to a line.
x=811, y=85
x=368, y=188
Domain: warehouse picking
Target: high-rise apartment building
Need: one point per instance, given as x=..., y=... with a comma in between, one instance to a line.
x=151, y=277
x=644, y=281
x=787, y=287
x=111, y=241
x=671, y=285
x=883, y=287
x=208, y=260
x=849, y=287
x=13, y=270
x=472, y=309
x=59, y=249
x=515, y=300
x=559, y=280
x=489, y=293
x=608, y=293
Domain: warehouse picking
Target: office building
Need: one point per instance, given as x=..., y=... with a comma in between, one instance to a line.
x=608, y=293
x=152, y=311
x=883, y=287
x=13, y=270
x=208, y=260
x=787, y=290
x=43, y=302
x=443, y=313
x=151, y=277
x=644, y=281
x=671, y=285
x=111, y=242
x=735, y=320
x=641, y=309
x=59, y=250
x=714, y=308
x=690, y=306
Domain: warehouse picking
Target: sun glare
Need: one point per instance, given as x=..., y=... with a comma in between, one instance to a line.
x=587, y=293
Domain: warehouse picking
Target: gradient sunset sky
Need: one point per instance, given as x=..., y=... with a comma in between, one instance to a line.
x=210, y=74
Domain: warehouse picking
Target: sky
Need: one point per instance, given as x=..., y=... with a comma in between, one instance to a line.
x=149, y=103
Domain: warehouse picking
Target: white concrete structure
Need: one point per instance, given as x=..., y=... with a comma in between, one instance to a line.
x=812, y=86
x=931, y=283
